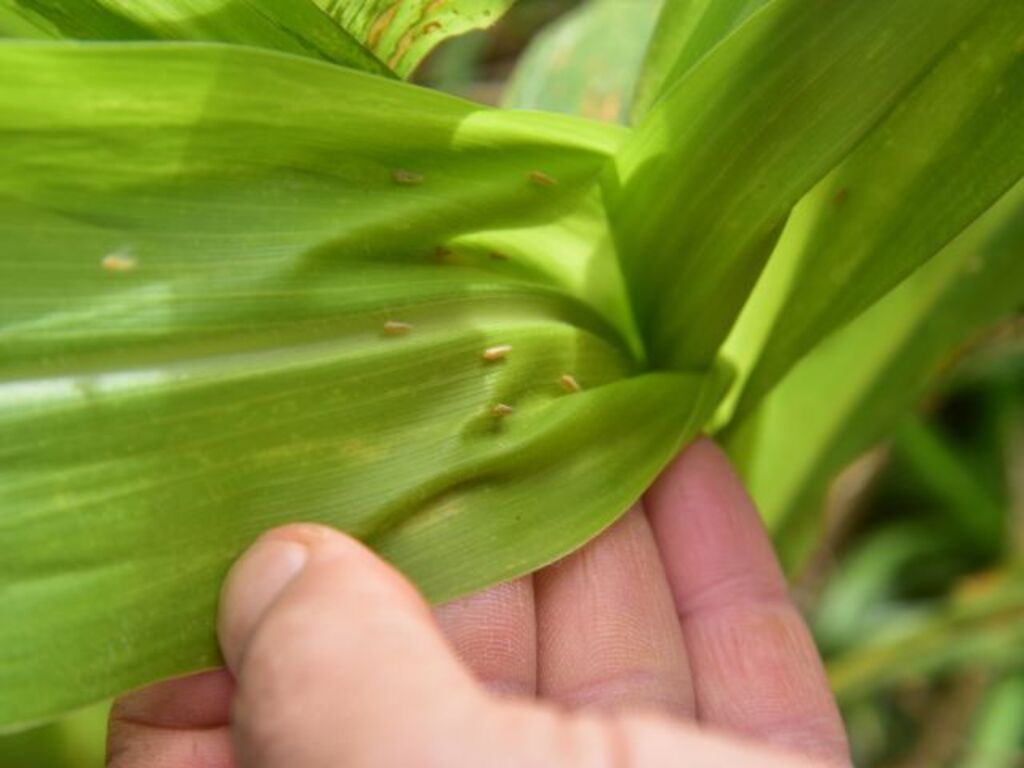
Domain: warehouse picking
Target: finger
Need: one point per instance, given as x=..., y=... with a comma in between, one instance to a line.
x=339, y=660
x=173, y=724
x=756, y=669
x=607, y=629
x=495, y=634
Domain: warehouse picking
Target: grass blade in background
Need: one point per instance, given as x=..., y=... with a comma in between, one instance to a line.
x=575, y=66
x=980, y=628
x=703, y=189
x=291, y=26
x=997, y=738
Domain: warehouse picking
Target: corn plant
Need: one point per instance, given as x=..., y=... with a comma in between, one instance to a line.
x=250, y=276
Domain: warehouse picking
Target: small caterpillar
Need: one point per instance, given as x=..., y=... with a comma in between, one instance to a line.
x=119, y=262
x=395, y=328
x=406, y=178
x=541, y=179
x=500, y=352
x=569, y=383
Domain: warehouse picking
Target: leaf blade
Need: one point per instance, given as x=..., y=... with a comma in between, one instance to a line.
x=233, y=370
x=876, y=368
x=291, y=26
x=402, y=33
x=953, y=148
x=702, y=191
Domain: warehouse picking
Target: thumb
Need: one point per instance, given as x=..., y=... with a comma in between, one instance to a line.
x=337, y=658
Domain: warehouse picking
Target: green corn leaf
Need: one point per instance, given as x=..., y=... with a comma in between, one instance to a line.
x=77, y=741
x=860, y=382
x=402, y=32
x=217, y=315
x=700, y=194
x=576, y=67
x=950, y=149
x=291, y=26
x=686, y=31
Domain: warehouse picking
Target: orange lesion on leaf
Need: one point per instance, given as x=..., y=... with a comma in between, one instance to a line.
x=380, y=26
x=404, y=44
x=416, y=30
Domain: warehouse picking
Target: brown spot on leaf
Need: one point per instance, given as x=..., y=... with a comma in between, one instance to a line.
x=406, y=178
x=541, y=179
x=380, y=25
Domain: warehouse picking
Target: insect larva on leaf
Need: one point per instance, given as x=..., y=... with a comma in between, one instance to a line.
x=406, y=178
x=499, y=352
x=119, y=262
x=395, y=328
x=501, y=410
x=541, y=179
x=569, y=383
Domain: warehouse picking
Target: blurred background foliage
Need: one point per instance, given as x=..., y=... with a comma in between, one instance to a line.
x=914, y=582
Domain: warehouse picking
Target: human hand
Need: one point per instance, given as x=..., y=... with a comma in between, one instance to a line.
x=669, y=640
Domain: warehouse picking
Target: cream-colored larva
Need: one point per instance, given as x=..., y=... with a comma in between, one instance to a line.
x=406, y=178
x=119, y=262
x=541, y=179
x=500, y=352
x=395, y=328
x=569, y=383
x=502, y=410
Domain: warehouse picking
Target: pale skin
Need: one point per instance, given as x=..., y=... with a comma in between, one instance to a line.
x=668, y=641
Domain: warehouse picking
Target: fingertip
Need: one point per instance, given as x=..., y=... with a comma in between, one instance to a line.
x=705, y=461
x=331, y=647
x=276, y=559
x=252, y=585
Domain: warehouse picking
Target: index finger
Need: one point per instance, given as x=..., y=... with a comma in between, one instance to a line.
x=756, y=670
x=174, y=723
